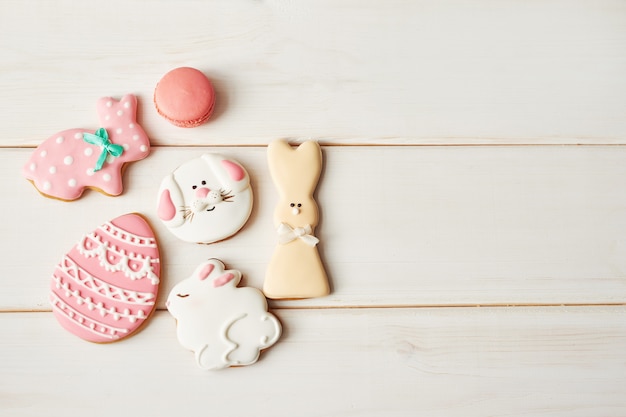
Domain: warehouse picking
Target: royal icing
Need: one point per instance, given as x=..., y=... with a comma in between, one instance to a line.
x=224, y=325
x=206, y=199
x=72, y=160
x=295, y=269
x=106, y=286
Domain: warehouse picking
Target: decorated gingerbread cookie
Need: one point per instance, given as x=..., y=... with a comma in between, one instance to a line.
x=295, y=270
x=206, y=199
x=106, y=286
x=223, y=324
x=72, y=160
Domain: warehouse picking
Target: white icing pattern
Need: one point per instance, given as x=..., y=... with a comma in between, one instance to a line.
x=102, y=250
x=288, y=234
x=82, y=277
x=99, y=306
x=121, y=234
x=85, y=322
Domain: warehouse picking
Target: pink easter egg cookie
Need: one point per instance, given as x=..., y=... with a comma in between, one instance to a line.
x=70, y=161
x=106, y=286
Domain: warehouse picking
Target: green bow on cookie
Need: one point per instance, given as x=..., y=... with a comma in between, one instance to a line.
x=101, y=138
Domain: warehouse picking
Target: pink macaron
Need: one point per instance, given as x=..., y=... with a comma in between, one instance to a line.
x=185, y=97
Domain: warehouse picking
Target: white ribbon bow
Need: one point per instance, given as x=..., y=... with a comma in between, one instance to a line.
x=288, y=234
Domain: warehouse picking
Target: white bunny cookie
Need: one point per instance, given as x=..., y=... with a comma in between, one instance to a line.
x=295, y=270
x=224, y=325
x=206, y=199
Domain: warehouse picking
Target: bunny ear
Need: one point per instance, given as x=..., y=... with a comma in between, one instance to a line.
x=129, y=102
x=207, y=268
x=295, y=169
x=223, y=279
x=108, y=108
x=216, y=268
x=229, y=173
x=229, y=277
x=170, y=201
x=205, y=271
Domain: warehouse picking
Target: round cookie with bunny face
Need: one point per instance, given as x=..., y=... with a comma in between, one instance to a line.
x=206, y=199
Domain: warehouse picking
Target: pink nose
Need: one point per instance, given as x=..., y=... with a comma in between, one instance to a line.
x=202, y=192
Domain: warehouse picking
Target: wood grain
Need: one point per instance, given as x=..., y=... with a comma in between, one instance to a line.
x=452, y=187
x=400, y=226
x=363, y=362
x=349, y=72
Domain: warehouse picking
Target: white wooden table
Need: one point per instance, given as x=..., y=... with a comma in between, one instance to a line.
x=477, y=252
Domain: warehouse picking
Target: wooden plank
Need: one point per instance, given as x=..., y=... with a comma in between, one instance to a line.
x=362, y=362
x=349, y=72
x=400, y=225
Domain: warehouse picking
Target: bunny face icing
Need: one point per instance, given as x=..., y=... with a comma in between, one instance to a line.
x=295, y=172
x=224, y=325
x=206, y=199
x=297, y=211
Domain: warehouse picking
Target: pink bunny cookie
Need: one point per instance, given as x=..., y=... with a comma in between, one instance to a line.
x=295, y=270
x=72, y=160
x=223, y=324
x=206, y=199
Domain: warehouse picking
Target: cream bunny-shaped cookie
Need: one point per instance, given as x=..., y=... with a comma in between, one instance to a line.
x=295, y=270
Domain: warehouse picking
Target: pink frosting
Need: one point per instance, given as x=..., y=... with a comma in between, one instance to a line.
x=63, y=165
x=106, y=286
x=223, y=279
x=205, y=272
x=166, y=210
x=235, y=171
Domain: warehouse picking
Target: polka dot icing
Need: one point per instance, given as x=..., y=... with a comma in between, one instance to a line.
x=65, y=164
